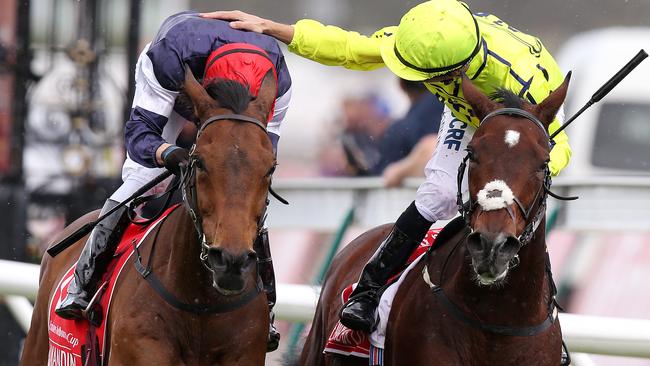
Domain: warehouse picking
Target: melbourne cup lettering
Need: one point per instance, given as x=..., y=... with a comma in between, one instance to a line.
x=60, y=357
x=69, y=337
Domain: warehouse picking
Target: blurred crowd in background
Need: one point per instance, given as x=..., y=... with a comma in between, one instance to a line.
x=366, y=141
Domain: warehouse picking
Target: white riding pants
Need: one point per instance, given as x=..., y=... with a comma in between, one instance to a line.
x=436, y=196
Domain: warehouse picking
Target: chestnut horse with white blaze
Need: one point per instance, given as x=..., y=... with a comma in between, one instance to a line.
x=483, y=295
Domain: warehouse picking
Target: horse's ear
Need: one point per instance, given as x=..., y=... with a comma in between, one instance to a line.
x=265, y=97
x=547, y=109
x=480, y=103
x=202, y=102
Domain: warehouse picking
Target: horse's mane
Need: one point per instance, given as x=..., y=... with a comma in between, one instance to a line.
x=230, y=94
x=508, y=98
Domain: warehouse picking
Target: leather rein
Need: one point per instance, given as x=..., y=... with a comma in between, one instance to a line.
x=533, y=222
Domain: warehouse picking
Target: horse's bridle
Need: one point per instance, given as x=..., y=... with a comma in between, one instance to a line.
x=466, y=209
x=188, y=184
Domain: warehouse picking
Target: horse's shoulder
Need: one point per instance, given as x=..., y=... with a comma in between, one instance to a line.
x=415, y=291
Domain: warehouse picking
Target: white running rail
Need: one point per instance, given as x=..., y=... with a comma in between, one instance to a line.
x=588, y=334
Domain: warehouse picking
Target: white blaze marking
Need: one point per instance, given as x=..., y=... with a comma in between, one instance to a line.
x=512, y=138
x=495, y=195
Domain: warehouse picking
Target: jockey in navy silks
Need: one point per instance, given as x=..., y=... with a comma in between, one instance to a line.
x=210, y=48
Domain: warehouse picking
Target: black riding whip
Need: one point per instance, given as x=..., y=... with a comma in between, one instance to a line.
x=86, y=228
x=606, y=88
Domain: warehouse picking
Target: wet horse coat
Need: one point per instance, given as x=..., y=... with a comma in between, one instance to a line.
x=233, y=164
x=492, y=277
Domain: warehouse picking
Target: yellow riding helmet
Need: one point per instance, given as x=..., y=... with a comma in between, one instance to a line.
x=432, y=39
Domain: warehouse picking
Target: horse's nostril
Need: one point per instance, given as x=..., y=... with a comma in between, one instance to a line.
x=475, y=242
x=249, y=260
x=216, y=257
x=252, y=256
x=511, y=245
x=225, y=261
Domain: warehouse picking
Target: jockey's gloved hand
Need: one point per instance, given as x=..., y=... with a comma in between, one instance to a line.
x=173, y=157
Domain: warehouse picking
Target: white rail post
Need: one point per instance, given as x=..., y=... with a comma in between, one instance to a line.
x=21, y=309
x=17, y=278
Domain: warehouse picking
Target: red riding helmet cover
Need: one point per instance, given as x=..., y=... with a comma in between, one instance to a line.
x=240, y=62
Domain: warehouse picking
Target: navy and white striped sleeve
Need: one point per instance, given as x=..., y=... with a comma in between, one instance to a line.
x=282, y=101
x=152, y=105
x=279, y=113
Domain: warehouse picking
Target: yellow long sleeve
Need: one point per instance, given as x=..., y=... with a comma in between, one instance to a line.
x=330, y=45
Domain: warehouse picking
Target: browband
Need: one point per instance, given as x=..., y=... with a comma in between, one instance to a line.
x=237, y=117
x=516, y=112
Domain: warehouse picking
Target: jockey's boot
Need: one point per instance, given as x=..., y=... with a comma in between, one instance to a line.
x=267, y=275
x=407, y=233
x=94, y=259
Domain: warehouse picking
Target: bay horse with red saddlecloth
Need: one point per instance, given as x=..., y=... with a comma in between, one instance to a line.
x=205, y=306
x=484, y=295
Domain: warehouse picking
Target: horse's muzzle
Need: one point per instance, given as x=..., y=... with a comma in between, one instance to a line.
x=491, y=255
x=230, y=271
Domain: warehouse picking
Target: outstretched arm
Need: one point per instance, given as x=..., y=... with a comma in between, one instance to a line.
x=248, y=22
x=308, y=38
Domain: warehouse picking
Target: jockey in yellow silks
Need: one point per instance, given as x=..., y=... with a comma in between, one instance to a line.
x=505, y=58
x=436, y=42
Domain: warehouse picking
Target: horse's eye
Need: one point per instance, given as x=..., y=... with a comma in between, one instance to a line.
x=200, y=164
x=543, y=167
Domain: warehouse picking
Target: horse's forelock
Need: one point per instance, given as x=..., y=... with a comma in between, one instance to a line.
x=509, y=99
x=230, y=94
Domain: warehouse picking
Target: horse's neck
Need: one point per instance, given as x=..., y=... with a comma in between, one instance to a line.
x=524, y=295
